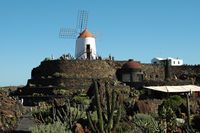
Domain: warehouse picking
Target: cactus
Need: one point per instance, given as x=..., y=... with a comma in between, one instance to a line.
x=66, y=114
x=108, y=119
x=167, y=118
x=146, y=123
x=57, y=126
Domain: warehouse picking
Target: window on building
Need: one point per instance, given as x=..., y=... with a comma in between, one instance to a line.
x=174, y=62
x=178, y=62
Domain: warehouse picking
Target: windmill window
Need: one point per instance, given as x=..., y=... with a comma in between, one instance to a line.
x=87, y=46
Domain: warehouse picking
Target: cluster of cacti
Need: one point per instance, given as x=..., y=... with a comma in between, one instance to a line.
x=65, y=114
x=167, y=118
x=146, y=123
x=109, y=115
x=56, y=127
x=70, y=114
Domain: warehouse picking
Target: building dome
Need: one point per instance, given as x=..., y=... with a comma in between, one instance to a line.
x=131, y=65
x=85, y=34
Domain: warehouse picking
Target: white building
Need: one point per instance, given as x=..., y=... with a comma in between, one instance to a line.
x=173, y=61
x=85, y=46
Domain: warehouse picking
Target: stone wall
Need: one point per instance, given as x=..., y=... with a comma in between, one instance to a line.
x=91, y=69
x=45, y=69
x=57, y=77
x=153, y=72
x=187, y=72
x=77, y=73
x=74, y=69
x=186, y=69
x=71, y=74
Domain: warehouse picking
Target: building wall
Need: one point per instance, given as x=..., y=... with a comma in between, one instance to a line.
x=81, y=44
x=176, y=62
x=155, y=61
x=173, y=61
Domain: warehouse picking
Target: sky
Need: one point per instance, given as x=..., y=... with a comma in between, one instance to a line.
x=126, y=29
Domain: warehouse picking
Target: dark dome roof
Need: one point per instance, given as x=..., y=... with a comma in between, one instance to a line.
x=131, y=65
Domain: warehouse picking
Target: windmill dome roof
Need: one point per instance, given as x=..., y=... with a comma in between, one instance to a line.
x=85, y=34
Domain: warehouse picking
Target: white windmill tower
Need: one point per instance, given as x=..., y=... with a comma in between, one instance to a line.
x=85, y=40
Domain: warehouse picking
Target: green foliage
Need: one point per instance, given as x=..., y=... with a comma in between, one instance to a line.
x=65, y=114
x=173, y=102
x=56, y=127
x=146, y=123
x=81, y=99
x=109, y=115
x=127, y=127
x=166, y=112
x=61, y=91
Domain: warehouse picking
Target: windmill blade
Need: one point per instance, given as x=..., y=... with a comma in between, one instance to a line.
x=69, y=33
x=82, y=20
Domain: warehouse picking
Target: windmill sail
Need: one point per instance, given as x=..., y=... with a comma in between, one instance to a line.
x=81, y=25
x=82, y=20
x=69, y=33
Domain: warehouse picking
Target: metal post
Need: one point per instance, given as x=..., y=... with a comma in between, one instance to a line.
x=188, y=109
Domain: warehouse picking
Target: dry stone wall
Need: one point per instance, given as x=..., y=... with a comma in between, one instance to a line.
x=71, y=74
x=74, y=69
x=80, y=72
x=153, y=72
x=186, y=69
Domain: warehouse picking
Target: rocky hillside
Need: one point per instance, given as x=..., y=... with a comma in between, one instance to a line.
x=10, y=110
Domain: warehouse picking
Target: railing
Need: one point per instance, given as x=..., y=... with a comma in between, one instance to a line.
x=82, y=53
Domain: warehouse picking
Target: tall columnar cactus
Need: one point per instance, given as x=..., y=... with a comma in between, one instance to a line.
x=99, y=109
x=109, y=116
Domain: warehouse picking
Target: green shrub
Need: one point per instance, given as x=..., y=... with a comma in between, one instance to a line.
x=81, y=99
x=56, y=127
x=166, y=112
x=146, y=123
x=66, y=114
x=127, y=127
x=173, y=102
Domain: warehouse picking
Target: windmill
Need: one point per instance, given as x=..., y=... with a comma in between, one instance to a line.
x=85, y=40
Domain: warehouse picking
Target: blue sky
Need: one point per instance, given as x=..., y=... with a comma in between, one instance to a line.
x=138, y=29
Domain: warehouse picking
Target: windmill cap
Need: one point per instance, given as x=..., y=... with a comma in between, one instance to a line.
x=85, y=34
